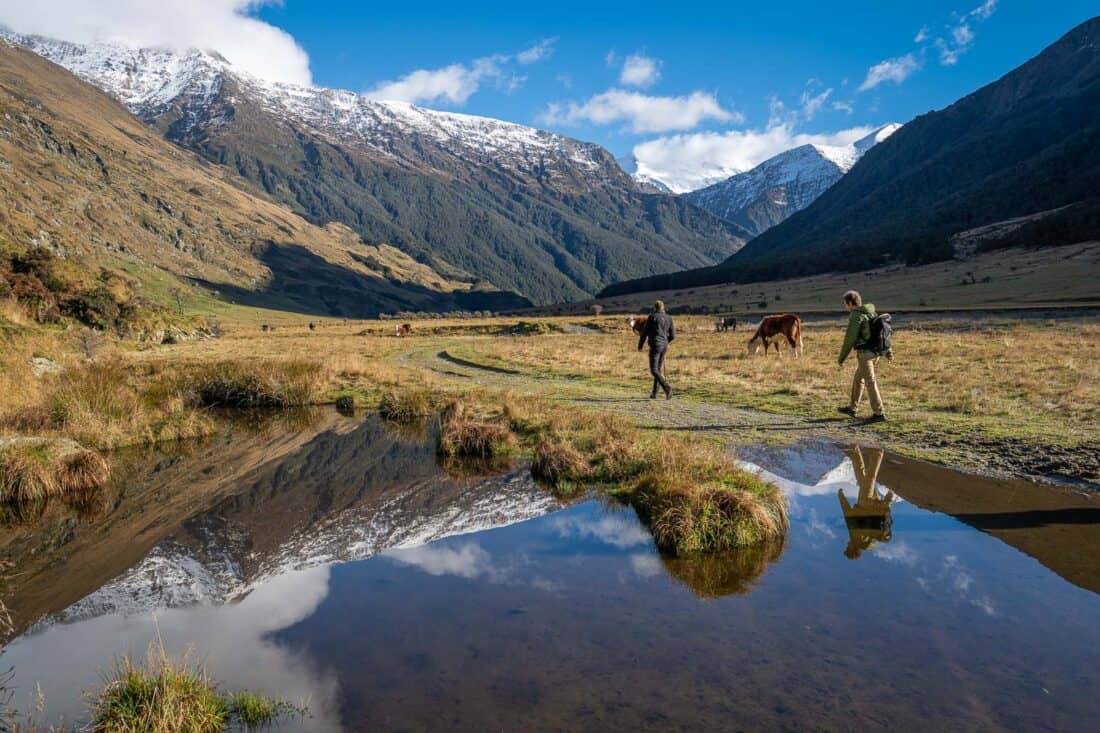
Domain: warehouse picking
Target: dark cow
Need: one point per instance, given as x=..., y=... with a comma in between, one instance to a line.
x=403, y=330
x=772, y=328
x=637, y=323
x=729, y=323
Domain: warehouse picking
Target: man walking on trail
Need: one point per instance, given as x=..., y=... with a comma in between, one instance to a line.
x=858, y=336
x=659, y=332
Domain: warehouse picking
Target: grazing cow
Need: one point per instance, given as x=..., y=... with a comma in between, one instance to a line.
x=312, y=326
x=772, y=328
x=729, y=323
x=637, y=323
x=403, y=330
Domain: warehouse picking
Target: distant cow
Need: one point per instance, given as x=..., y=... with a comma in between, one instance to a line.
x=772, y=328
x=403, y=330
x=637, y=323
x=729, y=323
x=312, y=326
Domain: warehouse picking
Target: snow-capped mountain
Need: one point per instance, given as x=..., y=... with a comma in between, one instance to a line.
x=476, y=199
x=760, y=198
x=154, y=82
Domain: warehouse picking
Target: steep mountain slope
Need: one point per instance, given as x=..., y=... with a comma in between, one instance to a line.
x=1024, y=148
x=523, y=209
x=81, y=176
x=760, y=198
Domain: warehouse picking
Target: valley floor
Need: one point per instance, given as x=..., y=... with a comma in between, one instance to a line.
x=993, y=395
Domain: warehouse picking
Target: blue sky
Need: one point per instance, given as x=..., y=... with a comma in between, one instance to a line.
x=685, y=86
x=748, y=58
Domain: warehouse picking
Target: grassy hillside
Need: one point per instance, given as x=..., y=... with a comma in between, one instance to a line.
x=83, y=179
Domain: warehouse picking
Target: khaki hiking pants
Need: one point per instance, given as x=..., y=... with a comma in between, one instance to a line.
x=865, y=377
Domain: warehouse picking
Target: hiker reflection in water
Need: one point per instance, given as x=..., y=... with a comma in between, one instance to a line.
x=869, y=519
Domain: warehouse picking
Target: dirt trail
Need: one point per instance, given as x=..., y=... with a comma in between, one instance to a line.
x=680, y=413
x=737, y=425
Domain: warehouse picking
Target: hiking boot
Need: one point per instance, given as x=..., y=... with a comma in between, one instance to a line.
x=668, y=394
x=653, y=396
x=849, y=411
x=877, y=418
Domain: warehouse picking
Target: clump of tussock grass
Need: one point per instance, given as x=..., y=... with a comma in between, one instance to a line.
x=36, y=469
x=559, y=463
x=257, y=384
x=163, y=695
x=462, y=435
x=406, y=405
x=100, y=404
x=697, y=500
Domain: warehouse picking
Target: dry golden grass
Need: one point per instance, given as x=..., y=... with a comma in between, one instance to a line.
x=37, y=469
x=460, y=434
x=1021, y=378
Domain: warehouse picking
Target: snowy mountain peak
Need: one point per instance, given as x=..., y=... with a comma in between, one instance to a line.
x=762, y=197
x=150, y=81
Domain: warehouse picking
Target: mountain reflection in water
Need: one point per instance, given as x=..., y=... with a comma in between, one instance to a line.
x=342, y=564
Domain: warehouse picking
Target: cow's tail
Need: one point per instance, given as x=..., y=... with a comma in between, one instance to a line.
x=801, y=348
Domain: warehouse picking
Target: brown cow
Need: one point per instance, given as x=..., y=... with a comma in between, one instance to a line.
x=403, y=330
x=772, y=328
x=637, y=323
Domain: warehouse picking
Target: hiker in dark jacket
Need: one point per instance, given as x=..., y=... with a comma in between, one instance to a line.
x=659, y=332
x=858, y=337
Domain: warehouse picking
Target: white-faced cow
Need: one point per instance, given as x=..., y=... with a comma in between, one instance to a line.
x=403, y=329
x=729, y=323
x=637, y=323
x=772, y=328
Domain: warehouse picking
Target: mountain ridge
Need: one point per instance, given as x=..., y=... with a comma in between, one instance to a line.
x=525, y=210
x=1026, y=146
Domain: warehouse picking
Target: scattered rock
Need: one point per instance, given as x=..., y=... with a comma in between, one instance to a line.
x=41, y=366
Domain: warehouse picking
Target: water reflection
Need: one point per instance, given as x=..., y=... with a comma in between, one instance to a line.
x=868, y=520
x=344, y=564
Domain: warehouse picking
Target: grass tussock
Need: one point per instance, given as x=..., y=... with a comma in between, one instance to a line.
x=249, y=385
x=696, y=499
x=408, y=405
x=461, y=434
x=36, y=469
x=163, y=695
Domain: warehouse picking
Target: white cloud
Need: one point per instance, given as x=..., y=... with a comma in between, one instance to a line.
x=222, y=25
x=812, y=103
x=896, y=70
x=922, y=35
x=689, y=162
x=845, y=107
x=640, y=112
x=452, y=84
x=541, y=50
x=616, y=530
x=640, y=71
x=985, y=10
x=464, y=561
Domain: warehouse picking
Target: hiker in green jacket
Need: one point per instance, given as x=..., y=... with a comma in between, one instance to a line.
x=857, y=337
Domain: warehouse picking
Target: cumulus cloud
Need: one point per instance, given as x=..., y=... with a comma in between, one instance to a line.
x=541, y=50
x=456, y=83
x=922, y=35
x=469, y=560
x=640, y=71
x=641, y=113
x=226, y=26
x=689, y=162
x=452, y=84
x=895, y=70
